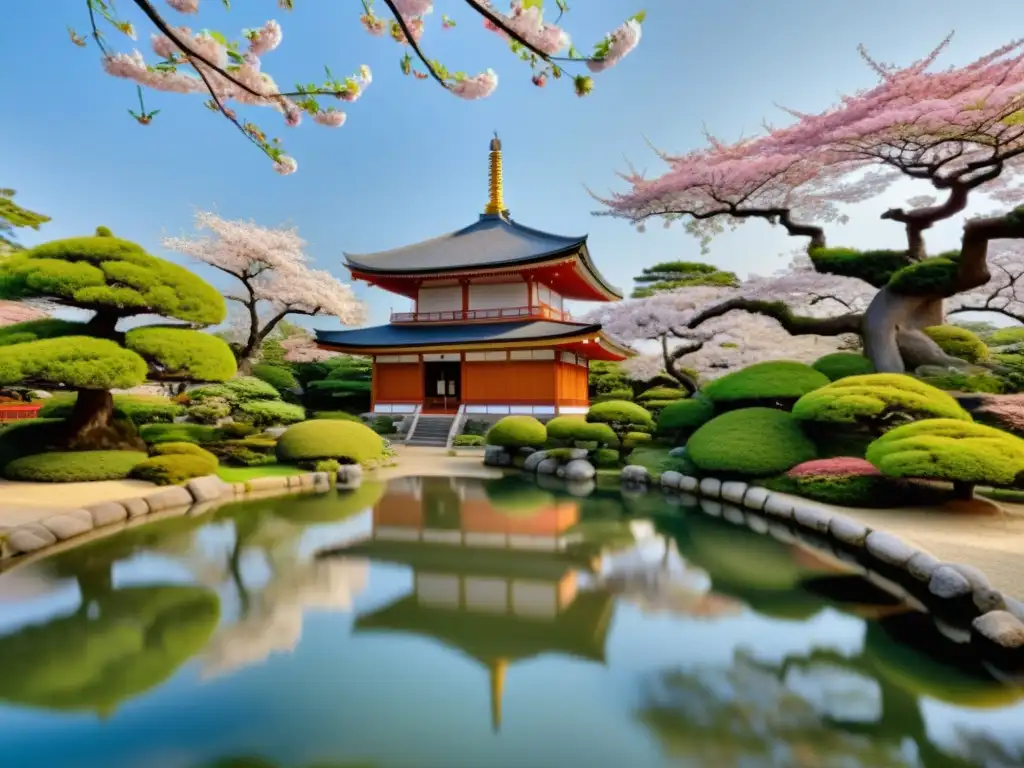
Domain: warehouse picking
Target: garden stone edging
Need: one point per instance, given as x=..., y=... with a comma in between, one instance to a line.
x=200, y=493
x=961, y=593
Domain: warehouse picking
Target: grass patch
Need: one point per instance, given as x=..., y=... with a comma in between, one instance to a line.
x=242, y=474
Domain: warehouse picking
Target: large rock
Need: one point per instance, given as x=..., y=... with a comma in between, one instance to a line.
x=107, y=513
x=634, y=473
x=889, y=549
x=711, y=486
x=136, y=507
x=350, y=474
x=1002, y=629
x=580, y=488
x=734, y=490
x=30, y=537
x=578, y=453
x=69, y=524
x=207, y=488
x=671, y=479
x=755, y=497
x=848, y=531
x=547, y=467
x=176, y=496
x=496, y=456
x=948, y=583
x=579, y=469
x=531, y=462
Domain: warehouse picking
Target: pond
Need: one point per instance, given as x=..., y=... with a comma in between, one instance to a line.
x=453, y=622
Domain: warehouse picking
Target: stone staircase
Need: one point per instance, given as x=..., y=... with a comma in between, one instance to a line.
x=431, y=430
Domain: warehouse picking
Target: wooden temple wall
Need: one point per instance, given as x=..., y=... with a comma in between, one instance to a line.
x=397, y=382
x=510, y=381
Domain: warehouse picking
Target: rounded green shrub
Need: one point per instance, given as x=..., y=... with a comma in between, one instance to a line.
x=73, y=466
x=180, y=449
x=174, y=469
x=1006, y=336
x=661, y=394
x=209, y=411
x=685, y=415
x=958, y=342
x=875, y=397
x=605, y=458
x=576, y=429
x=339, y=415
x=468, y=441
x=345, y=441
x=179, y=433
x=776, y=383
x=622, y=417
x=839, y=365
x=957, y=381
x=277, y=376
x=517, y=432
x=753, y=442
x=266, y=413
x=183, y=353
x=28, y=437
x=240, y=390
x=633, y=439
x=952, y=450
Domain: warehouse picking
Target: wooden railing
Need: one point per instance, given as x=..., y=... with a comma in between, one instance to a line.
x=12, y=412
x=536, y=312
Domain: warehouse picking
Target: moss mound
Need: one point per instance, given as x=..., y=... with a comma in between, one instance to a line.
x=175, y=468
x=949, y=449
x=345, y=441
x=685, y=415
x=620, y=412
x=73, y=466
x=752, y=442
x=874, y=397
x=778, y=381
x=839, y=365
x=517, y=432
x=179, y=433
x=1006, y=336
x=958, y=342
x=181, y=449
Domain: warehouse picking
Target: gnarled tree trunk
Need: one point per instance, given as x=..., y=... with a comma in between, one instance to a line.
x=91, y=425
x=893, y=332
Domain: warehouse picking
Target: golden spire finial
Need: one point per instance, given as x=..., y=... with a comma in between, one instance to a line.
x=496, y=203
x=497, y=674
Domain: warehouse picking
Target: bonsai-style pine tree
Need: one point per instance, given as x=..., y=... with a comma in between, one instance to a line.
x=13, y=216
x=114, y=280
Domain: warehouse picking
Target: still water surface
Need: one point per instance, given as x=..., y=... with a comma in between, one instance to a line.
x=476, y=623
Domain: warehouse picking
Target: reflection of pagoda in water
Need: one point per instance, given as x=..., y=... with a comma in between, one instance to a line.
x=492, y=576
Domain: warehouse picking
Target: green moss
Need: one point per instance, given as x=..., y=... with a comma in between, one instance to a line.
x=1001, y=338
x=73, y=466
x=949, y=449
x=179, y=433
x=517, y=432
x=873, y=267
x=839, y=365
x=266, y=413
x=771, y=382
x=181, y=449
x=34, y=330
x=277, y=376
x=75, y=361
x=753, y=442
x=575, y=429
x=175, y=469
x=958, y=342
x=620, y=414
x=684, y=415
x=657, y=460
x=666, y=394
x=345, y=441
x=24, y=438
x=633, y=439
x=605, y=458
x=873, y=397
x=955, y=381
x=469, y=441
x=182, y=354
x=240, y=390
x=935, y=276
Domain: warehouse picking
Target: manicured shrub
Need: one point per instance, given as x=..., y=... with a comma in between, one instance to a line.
x=613, y=395
x=839, y=365
x=467, y=441
x=178, y=433
x=139, y=409
x=174, y=469
x=25, y=438
x=876, y=399
x=605, y=458
x=753, y=442
x=517, y=432
x=240, y=390
x=775, y=384
x=680, y=418
x=73, y=466
x=839, y=466
x=633, y=439
x=383, y=425
x=1006, y=336
x=234, y=430
x=660, y=394
x=181, y=449
x=964, y=453
x=576, y=429
x=622, y=417
x=209, y=411
x=250, y=452
x=266, y=413
x=279, y=377
x=958, y=342
x=957, y=381
x=474, y=427
x=346, y=441
x=865, y=491
x=182, y=351
x=337, y=415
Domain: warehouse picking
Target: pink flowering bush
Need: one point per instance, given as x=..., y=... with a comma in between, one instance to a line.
x=225, y=71
x=1005, y=412
x=846, y=481
x=840, y=466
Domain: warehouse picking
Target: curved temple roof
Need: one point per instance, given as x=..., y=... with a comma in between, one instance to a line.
x=493, y=241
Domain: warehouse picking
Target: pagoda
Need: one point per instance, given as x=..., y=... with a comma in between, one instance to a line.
x=488, y=333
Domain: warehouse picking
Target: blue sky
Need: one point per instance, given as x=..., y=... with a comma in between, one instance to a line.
x=411, y=161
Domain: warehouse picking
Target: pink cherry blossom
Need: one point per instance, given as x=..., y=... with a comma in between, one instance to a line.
x=286, y=165
x=409, y=8
x=477, y=87
x=529, y=24
x=375, y=25
x=302, y=349
x=620, y=43
x=184, y=6
x=332, y=118
x=265, y=39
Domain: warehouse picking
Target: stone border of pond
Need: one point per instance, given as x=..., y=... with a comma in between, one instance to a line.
x=963, y=604
x=196, y=497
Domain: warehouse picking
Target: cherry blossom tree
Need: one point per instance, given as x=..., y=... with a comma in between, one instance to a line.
x=1003, y=294
x=227, y=72
x=958, y=130
x=273, y=273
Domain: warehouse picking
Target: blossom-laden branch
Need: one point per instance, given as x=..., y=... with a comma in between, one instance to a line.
x=224, y=71
x=274, y=274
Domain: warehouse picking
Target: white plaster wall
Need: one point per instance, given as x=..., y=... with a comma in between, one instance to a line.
x=547, y=296
x=444, y=299
x=498, y=295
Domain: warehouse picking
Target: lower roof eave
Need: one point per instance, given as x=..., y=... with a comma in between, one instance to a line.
x=586, y=345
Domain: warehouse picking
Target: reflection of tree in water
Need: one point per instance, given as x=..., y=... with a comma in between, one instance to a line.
x=127, y=642
x=259, y=762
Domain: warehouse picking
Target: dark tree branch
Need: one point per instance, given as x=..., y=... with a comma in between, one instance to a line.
x=672, y=357
x=795, y=325
x=973, y=267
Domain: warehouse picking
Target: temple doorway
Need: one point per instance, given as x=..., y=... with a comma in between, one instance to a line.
x=443, y=382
